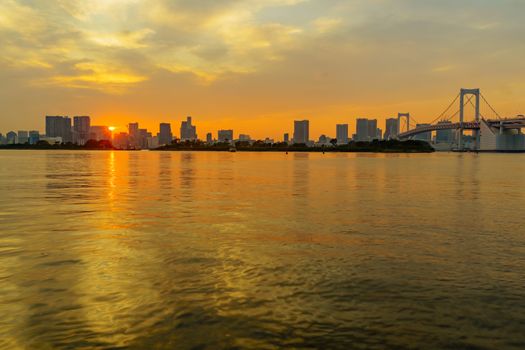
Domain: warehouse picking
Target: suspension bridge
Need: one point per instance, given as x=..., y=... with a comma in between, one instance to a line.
x=490, y=132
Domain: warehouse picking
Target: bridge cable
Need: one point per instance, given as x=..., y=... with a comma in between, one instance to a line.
x=446, y=110
x=487, y=102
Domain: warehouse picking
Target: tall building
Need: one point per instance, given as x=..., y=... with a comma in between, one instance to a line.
x=23, y=137
x=34, y=137
x=12, y=138
x=133, y=135
x=301, y=131
x=81, y=129
x=165, y=136
x=391, y=128
x=209, y=138
x=188, y=132
x=425, y=136
x=121, y=141
x=372, y=130
x=366, y=130
x=3, y=141
x=341, y=132
x=58, y=126
x=99, y=133
x=286, y=138
x=361, y=133
x=225, y=135
x=444, y=136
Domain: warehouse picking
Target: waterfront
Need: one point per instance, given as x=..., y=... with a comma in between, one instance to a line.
x=261, y=250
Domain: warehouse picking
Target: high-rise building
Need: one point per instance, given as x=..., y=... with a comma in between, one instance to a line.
x=12, y=138
x=301, y=131
x=361, y=133
x=225, y=135
x=143, y=138
x=209, y=138
x=188, y=132
x=366, y=130
x=286, y=138
x=165, y=136
x=133, y=135
x=444, y=136
x=391, y=127
x=58, y=126
x=99, y=133
x=424, y=136
x=23, y=137
x=341, y=132
x=3, y=141
x=372, y=129
x=81, y=129
x=34, y=137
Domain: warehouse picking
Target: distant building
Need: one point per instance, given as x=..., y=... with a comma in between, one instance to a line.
x=143, y=138
x=391, y=128
x=269, y=141
x=444, y=136
x=121, y=141
x=225, y=135
x=51, y=140
x=99, y=133
x=165, y=136
x=58, y=126
x=341, y=131
x=425, y=136
x=301, y=131
x=361, y=133
x=34, y=137
x=209, y=138
x=23, y=137
x=133, y=135
x=366, y=130
x=244, y=138
x=81, y=129
x=11, y=138
x=286, y=138
x=379, y=134
x=188, y=132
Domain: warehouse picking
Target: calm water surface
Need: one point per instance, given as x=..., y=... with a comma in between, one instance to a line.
x=147, y=250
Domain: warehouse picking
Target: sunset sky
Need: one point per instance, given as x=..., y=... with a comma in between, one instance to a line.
x=255, y=65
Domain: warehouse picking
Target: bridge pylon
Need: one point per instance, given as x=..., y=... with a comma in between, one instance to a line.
x=403, y=115
x=462, y=94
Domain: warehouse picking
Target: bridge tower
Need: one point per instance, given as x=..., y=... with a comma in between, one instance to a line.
x=462, y=94
x=403, y=115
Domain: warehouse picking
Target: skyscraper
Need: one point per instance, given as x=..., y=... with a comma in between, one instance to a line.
x=133, y=135
x=301, y=131
x=225, y=135
x=58, y=126
x=391, y=128
x=165, y=136
x=209, y=138
x=286, y=138
x=81, y=129
x=372, y=130
x=362, y=129
x=188, y=132
x=341, y=132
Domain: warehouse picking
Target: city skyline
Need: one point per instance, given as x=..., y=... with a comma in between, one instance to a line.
x=136, y=60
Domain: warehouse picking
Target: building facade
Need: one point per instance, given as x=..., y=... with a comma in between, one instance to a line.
x=225, y=135
x=188, y=131
x=81, y=129
x=391, y=128
x=165, y=135
x=341, y=131
x=58, y=126
x=301, y=131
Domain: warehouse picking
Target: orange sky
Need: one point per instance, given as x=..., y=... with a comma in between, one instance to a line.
x=253, y=65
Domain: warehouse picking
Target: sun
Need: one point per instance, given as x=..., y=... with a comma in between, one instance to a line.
x=112, y=128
